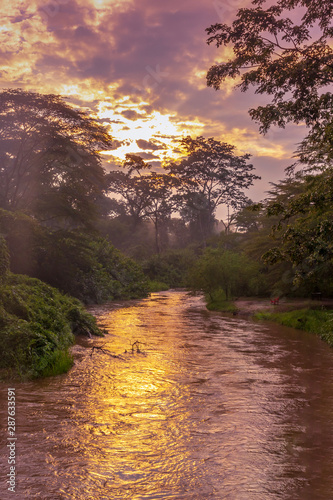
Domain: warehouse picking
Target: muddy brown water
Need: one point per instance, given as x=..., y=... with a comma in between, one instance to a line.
x=214, y=408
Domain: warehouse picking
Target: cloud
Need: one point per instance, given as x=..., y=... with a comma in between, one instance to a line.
x=149, y=156
x=140, y=67
x=131, y=114
x=149, y=145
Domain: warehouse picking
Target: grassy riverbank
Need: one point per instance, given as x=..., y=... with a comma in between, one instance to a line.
x=37, y=327
x=218, y=303
x=301, y=314
x=315, y=321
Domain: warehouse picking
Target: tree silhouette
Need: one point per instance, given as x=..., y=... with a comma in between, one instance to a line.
x=50, y=165
x=210, y=174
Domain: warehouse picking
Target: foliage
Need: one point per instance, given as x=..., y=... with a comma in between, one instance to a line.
x=317, y=321
x=210, y=174
x=90, y=269
x=144, y=195
x=223, y=270
x=49, y=163
x=288, y=59
x=157, y=286
x=4, y=259
x=162, y=202
x=37, y=324
x=22, y=234
x=306, y=227
x=218, y=303
x=171, y=267
x=130, y=184
x=85, y=266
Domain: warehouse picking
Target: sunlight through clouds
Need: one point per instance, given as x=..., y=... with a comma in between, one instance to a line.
x=138, y=67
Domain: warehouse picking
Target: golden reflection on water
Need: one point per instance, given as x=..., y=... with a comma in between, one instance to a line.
x=139, y=410
x=212, y=408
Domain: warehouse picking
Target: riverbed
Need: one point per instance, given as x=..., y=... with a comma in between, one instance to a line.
x=196, y=405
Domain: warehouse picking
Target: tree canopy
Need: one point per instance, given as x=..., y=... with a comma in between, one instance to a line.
x=50, y=165
x=210, y=175
x=290, y=60
x=306, y=227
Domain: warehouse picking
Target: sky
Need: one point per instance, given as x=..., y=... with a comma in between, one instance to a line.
x=140, y=67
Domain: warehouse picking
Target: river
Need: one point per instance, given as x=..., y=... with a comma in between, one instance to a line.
x=211, y=407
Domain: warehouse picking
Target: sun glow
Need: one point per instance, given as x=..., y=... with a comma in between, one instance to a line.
x=131, y=122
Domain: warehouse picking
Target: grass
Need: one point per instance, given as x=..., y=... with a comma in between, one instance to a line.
x=317, y=321
x=60, y=362
x=157, y=286
x=37, y=327
x=219, y=303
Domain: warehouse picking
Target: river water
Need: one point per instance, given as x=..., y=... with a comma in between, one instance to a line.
x=211, y=407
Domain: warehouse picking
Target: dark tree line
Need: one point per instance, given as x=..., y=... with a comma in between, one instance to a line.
x=207, y=175
x=50, y=168
x=284, y=50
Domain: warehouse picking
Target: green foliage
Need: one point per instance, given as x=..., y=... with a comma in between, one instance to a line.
x=315, y=321
x=51, y=166
x=288, y=60
x=219, y=270
x=157, y=286
x=59, y=362
x=82, y=265
x=90, y=269
x=219, y=303
x=305, y=230
x=22, y=234
x=4, y=259
x=37, y=325
x=171, y=267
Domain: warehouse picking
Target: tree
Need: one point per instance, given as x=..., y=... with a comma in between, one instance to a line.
x=306, y=228
x=292, y=62
x=219, y=269
x=210, y=175
x=145, y=195
x=161, y=202
x=131, y=185
x=50, y=165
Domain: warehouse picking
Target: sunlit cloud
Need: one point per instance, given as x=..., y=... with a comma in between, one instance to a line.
x=138, y=67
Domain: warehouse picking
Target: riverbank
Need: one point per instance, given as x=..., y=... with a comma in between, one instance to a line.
x=38, y=324
x=303, y=314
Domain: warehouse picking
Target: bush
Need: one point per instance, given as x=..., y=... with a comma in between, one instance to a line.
x=171, y=267
x=4, y=259
x=82, y=265
x=220, y=271
x=37, y=326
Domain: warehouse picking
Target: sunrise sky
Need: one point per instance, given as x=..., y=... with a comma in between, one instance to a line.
x=140, y=67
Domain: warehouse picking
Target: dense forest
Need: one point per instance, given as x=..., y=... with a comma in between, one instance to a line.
x=74, y=230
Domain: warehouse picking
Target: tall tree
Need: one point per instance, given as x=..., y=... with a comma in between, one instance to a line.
x=162, y=202
x=210, y=175
x=50, y=165
x=306, y=228
x=290, y=60
x=144, y=195
x=130, y=184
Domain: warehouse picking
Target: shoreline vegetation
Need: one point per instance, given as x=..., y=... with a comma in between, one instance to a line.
x=312, y=316
x=38, y=325
x=74, y=233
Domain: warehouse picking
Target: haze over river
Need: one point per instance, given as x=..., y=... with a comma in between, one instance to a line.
x=214, y=407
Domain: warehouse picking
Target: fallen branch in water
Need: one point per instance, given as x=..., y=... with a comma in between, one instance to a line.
x=136, y=348
x=104, y=351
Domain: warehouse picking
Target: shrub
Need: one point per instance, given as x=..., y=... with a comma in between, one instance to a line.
x=37, y=326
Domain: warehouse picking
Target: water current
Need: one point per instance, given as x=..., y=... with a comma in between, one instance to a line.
x=211, y=407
